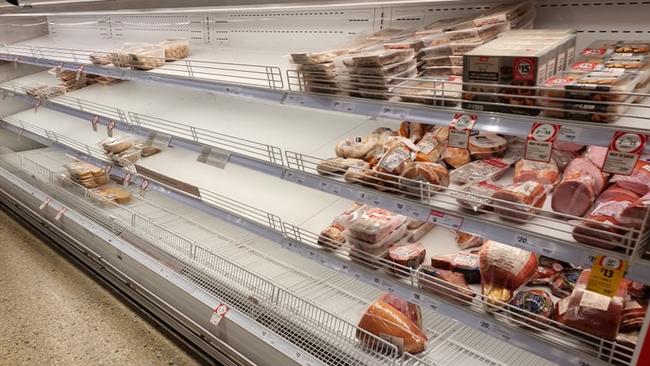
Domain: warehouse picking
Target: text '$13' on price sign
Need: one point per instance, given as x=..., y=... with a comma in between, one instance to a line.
x=606, y=275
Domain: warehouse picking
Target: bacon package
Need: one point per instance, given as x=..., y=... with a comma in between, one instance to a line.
x=373, y=224
x=582, y=182
x=598, y=229
x=386, y=322
x=591, y=312
x=504, y=269
x=537, y=171
x=529, y=193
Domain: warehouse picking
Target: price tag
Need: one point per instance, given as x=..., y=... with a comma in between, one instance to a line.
x=394, y=112
x=80, y=69
x=127, y=179
x=459, y=130
x=59, y=67
x=344, y=106
x=45, y=203
x=159, y=140
x=143, y=186
x=539, y=143
x=213, y=156
x=623, y=152
x=108, y=168
x=94, y=122
x=60, y=213
x=570, y=134
x=440, y=218
x=606, y=275
x=219, y=313
x=110, y=127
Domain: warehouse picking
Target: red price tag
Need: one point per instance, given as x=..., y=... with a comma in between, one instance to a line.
x=108, y=168
x=94, y=122
x=45, y=203
x=59, y=67
x=80, y=69
x=143, y=186
x=127, y=178
x=60, y=213
x=219, y=313
x=623, y=152
x=539, y=143
x=459, y=130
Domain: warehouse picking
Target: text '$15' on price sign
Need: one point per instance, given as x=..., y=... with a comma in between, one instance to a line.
x=606, y=275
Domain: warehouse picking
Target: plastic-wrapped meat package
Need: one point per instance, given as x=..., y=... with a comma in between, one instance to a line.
x=479, y=196
x=488, y=145
x=581, y=183
x=372, y=224
x=638, y=290
x=412, y=131
x=388, y=323
x=530, y=193
x=633, y=314
x=598, y=229
x=547, y=270
x=319, y=57
x=378, y=58
x=562, y=158
x=466, y=240
x=456, y=157
x=564, y=282
x=635, y=215
x=597, y=155
x=358, y=172
x=637, y=182
x=591, y=312
x=429, y=149
x=535, y=303
x=504, y=13
x=567, y=146
x=331, y=237
x=415, y=234
x=391, y=165
x=504, y=269
x=479, y=170
x=410, y=255
x=356, y=147
x=538, y=171
x=416, y=178
x=445, y=283
x=411, y=310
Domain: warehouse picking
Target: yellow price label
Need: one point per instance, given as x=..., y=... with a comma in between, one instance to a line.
x=606, y=275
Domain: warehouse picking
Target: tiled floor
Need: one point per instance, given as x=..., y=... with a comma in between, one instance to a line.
x=51, y=313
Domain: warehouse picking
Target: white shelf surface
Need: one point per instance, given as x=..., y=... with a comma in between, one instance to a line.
x=301, y=130
x=314, y=214
x=335, y=292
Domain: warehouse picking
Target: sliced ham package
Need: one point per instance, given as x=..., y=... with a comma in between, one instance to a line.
x=504, y=269
x=582, y=182
x=530, y=193
x=598, y=229
x=537, y=171
x=479, y=195
x=450, y=285
x=591, y=312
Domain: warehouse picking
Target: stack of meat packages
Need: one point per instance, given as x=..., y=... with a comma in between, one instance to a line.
x=379, y=66
x=86, y=174
x=372, y=236
x=613, y=68
x=71, y=80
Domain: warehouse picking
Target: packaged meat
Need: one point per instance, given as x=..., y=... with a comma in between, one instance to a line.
x=504, y=269
x=468, y=265
x=118, y=144
x=448, y=61
x=635, y=215
x=146, y=57
x=638, y=290
x=590, y=312
x=581, y=183
x=443, y=91
x=439, y=26
x=632, y=47
x=317, y=57
x=442, y=50
x=410, y=255
x=562, y=158
x=440, y=71
x=429, y=149
x=373, y=224
x=461, y=48
x=381, y=83
x=599, y=227
x=358, y=172
x=547, y=271
x=633, y=314
x=487, y=145
x=479, y=170
x=419, y=232
x=394, y=162
x=383, y=71
x=537, y=304
x=466, y=240
x=479, y=195
x=504, y=13
x=332, y=166
x=565, y=281
x=628, y=339
x=530, y=194
x=456, y=157
x=537, y=171
x=356, y=147
x=175, y=48
x=599, y=49
x=597, y=155
x=379, y=57
x=374, y=247
x=331, y=237
x=483, y=33
x=411, y=310
x=597, y=86
x=567, y=146
x=113, y=194
x=638, y=181
x=415, y=43
x=100, y=58
x=326, y=68
x=342, y=219
x=131, y=155
x=412, y=131
x=388, y=323
x=445, y=284
x=417, y=178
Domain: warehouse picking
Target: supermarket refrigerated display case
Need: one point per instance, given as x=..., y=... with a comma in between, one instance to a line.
x=220, y=212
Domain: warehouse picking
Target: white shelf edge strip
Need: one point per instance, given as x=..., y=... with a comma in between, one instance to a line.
x=511, y=334
x=562, y=250
x=581, y=133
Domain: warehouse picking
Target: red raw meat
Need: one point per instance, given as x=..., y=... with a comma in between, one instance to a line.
x=591, y=312
x=504, y=269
